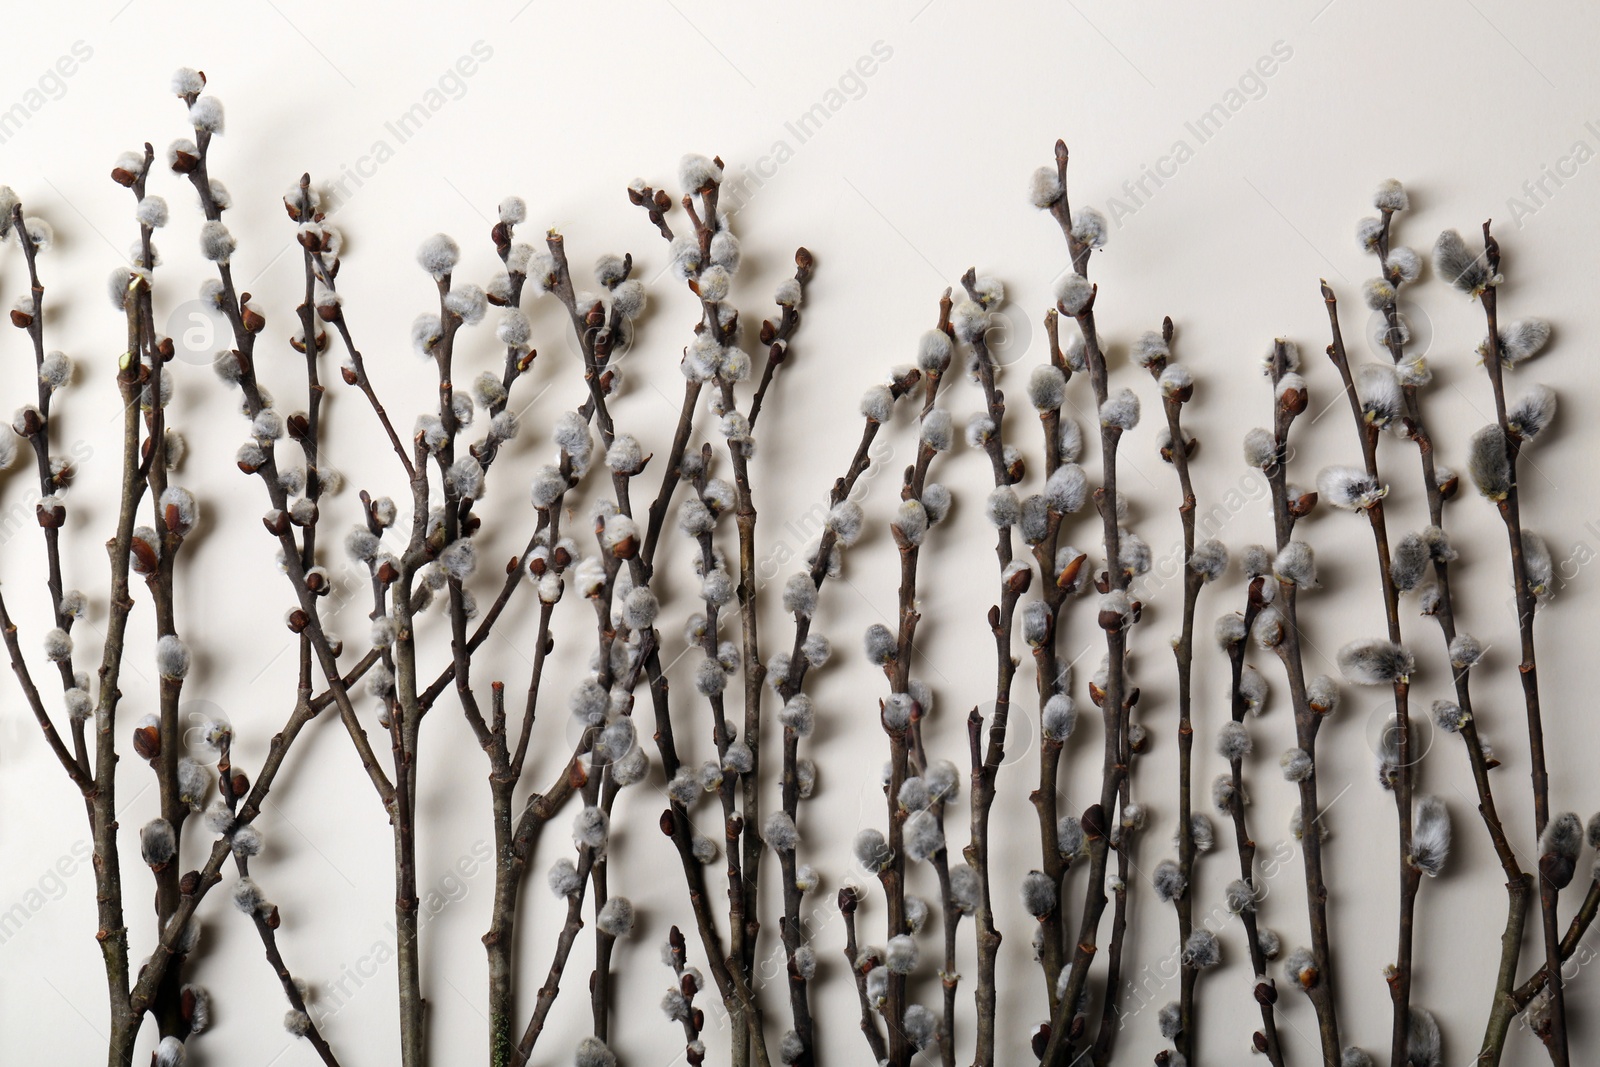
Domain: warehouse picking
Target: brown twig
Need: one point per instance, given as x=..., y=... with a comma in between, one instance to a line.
x=133, y=376
x=731, y=973
x=50, y=480
x=1066, y=1030
x=1266, y=990
x=849, y=900
x=1518, y=885
x=1178, y=454
x=398, y=797
x=1527, y=605
x=791, y=684
x=1399, y=975
x=986, y=771
x=1050, y=681
x=1308, y=721
x=903, y=736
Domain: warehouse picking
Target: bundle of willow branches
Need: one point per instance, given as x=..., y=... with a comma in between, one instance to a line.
x=595, y=530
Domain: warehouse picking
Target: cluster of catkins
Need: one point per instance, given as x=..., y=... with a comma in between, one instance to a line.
x=1038, y=580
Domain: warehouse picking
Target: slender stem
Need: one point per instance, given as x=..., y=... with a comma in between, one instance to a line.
x=1517, y=881
x=1183, y=650
x=986, y=770
x=44, y=467
x=126, y=1010
x=1067, y=1029
x=1527, y=605
x=791, y=927
x=1266, y=989
x=1399, y=975
x=903, y=736
x=267, y=922
x=591, y=860
x=1051, y=679
x=30, y=693
x=893, y=878
x=848, y=900
x=671, y=472
x=99, y=794
x=152, y=976
x=1307, y=723
x=552, y=985
x=399, y=796
x=790, y=685
x=232, y=306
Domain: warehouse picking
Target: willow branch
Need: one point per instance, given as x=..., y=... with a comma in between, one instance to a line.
x=1066, y=1028
x=1308, y=721
x=1399, y=975
x=1527, y=605
x=1266, y=990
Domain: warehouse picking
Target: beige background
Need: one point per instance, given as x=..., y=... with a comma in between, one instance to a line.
x=917, y=171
